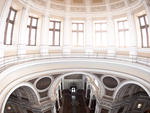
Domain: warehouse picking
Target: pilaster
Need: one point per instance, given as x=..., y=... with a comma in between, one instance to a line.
x=88, y=35
x=111, y=36
x=44, y=35
x=3, y=17
x=67, y=35
x=22, y=31
x=132, y=34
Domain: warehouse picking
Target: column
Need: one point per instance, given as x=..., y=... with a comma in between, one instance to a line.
x=133, y=35
x=22, y=31
x=60, y=89
x=86, y=89
x=91, y=96
x=67, y=35
x=88, y=36
x=54, y=109
x=97, y=108
x=44, y=35
x=58, y=98
x=63, y=87
x=111, y=37
x=3, y=17
x=83, y=82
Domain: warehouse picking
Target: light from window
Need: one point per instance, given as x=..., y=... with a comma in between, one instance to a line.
x=123, y=34
x=9, y=108
x=144, y=27
x=9, y=26
x=73, y=90
x=54, y=33
x=32, y=30
x=101, y=34
x=78, y=34
x=139, y=106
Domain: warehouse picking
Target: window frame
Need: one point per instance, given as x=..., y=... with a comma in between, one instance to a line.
x=146, y=27
x=12, y=22
x=78, y=31
x=30, y=27
x=101, y=31
x=124, y=30
x=55, y=30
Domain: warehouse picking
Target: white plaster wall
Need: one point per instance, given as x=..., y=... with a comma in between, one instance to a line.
x=1, y=5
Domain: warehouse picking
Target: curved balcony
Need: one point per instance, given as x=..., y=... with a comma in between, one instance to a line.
x=13, y=60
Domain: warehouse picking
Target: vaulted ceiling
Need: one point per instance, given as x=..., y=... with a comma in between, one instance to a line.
x=90, y=1
x=93, y=5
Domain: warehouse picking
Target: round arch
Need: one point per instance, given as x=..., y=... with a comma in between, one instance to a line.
x=25, y=84
x=127, y=83
x=51, y=92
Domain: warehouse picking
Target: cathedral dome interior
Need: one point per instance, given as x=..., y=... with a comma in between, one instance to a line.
x=75, y=56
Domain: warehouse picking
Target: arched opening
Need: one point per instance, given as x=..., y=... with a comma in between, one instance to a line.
x=78, y=93
x=21, y=99
x=78, y=80
x=132, y=98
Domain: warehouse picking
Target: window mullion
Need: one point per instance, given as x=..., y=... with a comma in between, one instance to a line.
x=30, y=31
x=54, y=34
x=146, y=27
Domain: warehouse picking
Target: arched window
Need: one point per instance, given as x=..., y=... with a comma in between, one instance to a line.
x=54, y=32
x=123, y=33
x=101, y=34
x=9, y=26
x=78, y=34
x=145, y=40
x=32, y=30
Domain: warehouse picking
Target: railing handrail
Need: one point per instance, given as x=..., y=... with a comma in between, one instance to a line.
x=68, y=53
x=12, y=59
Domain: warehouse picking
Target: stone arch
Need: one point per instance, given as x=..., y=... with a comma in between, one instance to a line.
x=51, y=92
x=121, y=86
x=34, y=96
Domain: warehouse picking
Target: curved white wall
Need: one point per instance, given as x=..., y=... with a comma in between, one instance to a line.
x=26, y=71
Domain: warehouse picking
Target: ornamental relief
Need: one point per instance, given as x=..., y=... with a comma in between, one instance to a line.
x=98, y=8
x=130, y=2
x=40, y=2
x=79, y=9
x=118, y=5
x=58, y=7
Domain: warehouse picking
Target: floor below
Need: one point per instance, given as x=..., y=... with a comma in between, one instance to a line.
x=74, y=102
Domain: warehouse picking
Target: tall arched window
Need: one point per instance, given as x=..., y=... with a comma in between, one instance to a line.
x=101, y=34
x=32, y=30
x=54, y=32
x=145, y=40
x=9, y=26
x=123, y=33
x=78, y=34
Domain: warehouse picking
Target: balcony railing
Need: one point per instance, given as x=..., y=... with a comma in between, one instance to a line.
x=8, y=61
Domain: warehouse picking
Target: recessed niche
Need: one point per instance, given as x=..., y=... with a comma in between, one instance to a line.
x=110, y=82
x=43, y=83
